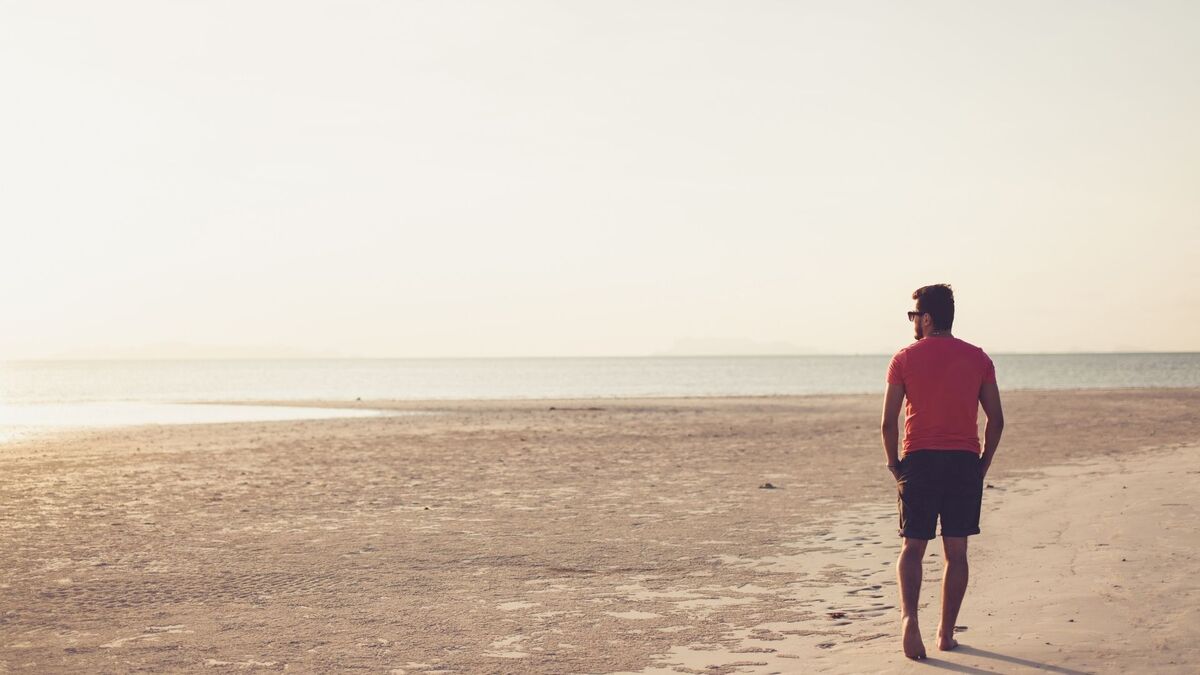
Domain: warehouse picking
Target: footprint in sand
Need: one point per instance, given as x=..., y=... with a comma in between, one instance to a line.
x=516, y=604
x=634, y=614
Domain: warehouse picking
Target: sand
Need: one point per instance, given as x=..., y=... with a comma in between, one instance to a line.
x=592, y=536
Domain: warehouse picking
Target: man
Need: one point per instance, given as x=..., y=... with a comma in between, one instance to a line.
x=941, y=474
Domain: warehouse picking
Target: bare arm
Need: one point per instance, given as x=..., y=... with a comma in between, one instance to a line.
x=989, y=398
x=893, y=397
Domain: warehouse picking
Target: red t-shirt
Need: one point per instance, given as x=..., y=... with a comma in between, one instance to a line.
x=942, y=377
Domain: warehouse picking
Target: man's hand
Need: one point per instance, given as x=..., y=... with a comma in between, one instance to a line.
x=895, y=469
x=984, y=465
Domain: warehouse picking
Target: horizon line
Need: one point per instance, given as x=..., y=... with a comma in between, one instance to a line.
x=85, y=359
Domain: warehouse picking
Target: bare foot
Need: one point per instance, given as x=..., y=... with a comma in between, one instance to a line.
x=946, y=642
x=914, y=648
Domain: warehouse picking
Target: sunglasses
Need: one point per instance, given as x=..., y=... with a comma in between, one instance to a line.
x=913, y=315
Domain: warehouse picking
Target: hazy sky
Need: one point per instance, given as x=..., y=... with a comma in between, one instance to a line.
x=594, y=178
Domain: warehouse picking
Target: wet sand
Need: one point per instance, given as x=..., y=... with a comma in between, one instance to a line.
x=591, y=536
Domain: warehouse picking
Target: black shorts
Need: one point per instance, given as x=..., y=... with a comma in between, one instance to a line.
x=945, y=483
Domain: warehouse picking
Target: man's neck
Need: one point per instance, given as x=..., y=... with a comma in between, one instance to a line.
x=939, y=333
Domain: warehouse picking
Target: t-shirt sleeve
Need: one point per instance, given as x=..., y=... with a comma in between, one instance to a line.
x=989, y=370
x=895, y=371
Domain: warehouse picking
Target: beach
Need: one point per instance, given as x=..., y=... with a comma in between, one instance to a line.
x=714, y=535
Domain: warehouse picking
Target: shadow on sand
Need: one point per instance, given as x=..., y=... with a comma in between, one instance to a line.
x=983, y=653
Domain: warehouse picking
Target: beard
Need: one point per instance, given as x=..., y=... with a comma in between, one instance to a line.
x=918, y=333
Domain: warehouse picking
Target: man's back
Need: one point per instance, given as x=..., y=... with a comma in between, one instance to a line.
x=942, y=379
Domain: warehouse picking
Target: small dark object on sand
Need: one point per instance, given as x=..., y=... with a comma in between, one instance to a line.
x=991, y=486
x=959, y=629
x=836, y=615
x=767, y=486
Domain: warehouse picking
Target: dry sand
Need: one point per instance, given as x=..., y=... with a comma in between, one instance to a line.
x=593, y=536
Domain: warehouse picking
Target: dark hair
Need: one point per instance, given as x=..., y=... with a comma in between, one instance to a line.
x=938, y=301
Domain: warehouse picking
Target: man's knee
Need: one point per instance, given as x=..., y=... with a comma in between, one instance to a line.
x=913, y=548
x=955, y=550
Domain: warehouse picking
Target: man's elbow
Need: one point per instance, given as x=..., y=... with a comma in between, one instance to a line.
x=996, y=421
x=889, y=426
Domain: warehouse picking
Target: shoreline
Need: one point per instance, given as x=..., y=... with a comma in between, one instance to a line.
x=418, y=406
x=457, y=404
x=306, y=402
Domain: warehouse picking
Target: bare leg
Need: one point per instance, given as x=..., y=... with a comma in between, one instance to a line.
x=954, y=587
x=908, y=572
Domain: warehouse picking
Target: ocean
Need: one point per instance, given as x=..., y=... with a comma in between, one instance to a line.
x=41, y=382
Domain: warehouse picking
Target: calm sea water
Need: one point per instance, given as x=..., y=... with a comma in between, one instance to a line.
x=180, y=381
